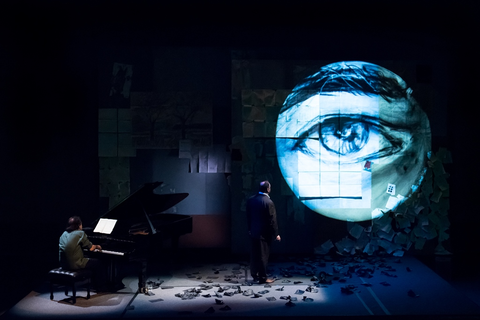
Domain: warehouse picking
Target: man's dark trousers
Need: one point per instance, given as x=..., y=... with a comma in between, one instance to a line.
x=259, y=259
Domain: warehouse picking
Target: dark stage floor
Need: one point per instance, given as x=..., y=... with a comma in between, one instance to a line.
x=304, y=287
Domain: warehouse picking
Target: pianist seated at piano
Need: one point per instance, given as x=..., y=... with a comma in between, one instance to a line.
x=71, y=245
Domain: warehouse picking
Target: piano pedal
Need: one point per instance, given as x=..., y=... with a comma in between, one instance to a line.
x=146, y=291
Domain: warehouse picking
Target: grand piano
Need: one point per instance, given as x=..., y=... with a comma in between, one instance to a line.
x=139, y=231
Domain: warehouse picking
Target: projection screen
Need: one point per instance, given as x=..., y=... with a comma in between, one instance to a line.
x=352, y=141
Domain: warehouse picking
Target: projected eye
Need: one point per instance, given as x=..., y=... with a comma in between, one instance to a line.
x=344, y=135
x=355, y=138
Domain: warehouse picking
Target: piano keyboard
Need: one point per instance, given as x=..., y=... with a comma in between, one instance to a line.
x=105, y=238
x=111, y=252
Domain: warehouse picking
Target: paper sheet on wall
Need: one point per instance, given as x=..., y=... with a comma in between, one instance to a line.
x=107, y=144
x=369, y=248
x=392, y=202
x=401, y=238
x=185, y=149
x=264, y=97
x=202, y=161
x=386, y=235
x=107, y=120
x=214, y=160
x=258, y=113
x=122, y=79
x=125, y=145
x=194, y=168
x=248, y=129
x=124, y=123
x=270, y=129
x=345, y=245
x=356, y=230
x=441, y=182
x=387, y=245
x=259, y=129
x=324, y=248
x=247, y=97
x=384, y=223
x=238, y=143
x=403, y=222
x=436, y=195
x=419, y=243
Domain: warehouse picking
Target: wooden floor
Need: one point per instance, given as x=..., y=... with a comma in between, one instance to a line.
x=305, y=287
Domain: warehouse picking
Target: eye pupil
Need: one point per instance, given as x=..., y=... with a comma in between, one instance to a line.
x=346, y=133
x=344, y=136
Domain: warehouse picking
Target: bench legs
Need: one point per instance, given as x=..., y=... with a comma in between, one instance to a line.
x=74, y=290
x=70, y=278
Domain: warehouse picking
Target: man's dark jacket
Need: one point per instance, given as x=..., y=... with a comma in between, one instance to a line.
x=261, y=217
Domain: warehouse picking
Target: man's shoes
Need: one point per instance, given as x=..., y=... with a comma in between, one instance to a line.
x=264, y=280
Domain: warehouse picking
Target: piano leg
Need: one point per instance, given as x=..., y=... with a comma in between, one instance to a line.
x=111, y=271
x=142, y=276
x=113, y=282
x=175, y=240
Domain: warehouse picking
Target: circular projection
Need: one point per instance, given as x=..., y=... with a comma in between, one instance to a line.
x=351, y=141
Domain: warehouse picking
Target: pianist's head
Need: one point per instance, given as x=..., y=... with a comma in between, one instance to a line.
x=74, y=223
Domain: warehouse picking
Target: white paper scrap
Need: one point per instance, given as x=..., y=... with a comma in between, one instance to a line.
x=391, y=189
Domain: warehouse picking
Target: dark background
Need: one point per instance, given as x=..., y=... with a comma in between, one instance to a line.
x=53, y=56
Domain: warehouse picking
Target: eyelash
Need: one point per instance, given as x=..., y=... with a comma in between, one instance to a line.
x=368, y=123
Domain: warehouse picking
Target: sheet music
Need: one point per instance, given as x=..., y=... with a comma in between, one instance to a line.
x=105, y=226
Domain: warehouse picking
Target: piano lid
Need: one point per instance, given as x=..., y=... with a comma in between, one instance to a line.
x=137, y=206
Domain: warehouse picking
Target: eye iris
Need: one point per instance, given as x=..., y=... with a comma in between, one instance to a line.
x=344, y=136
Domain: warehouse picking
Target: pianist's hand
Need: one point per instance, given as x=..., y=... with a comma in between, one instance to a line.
x=142, y=232
x=96, y=247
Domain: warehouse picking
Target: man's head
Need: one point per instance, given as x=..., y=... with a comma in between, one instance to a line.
x=74, y=223
x=265, y=187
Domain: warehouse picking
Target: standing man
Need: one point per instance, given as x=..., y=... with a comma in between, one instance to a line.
x=262, y=228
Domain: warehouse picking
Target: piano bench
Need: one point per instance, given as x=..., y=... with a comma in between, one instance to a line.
x=70, y=278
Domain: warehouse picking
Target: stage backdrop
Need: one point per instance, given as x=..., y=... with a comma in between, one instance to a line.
x=351, y=168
